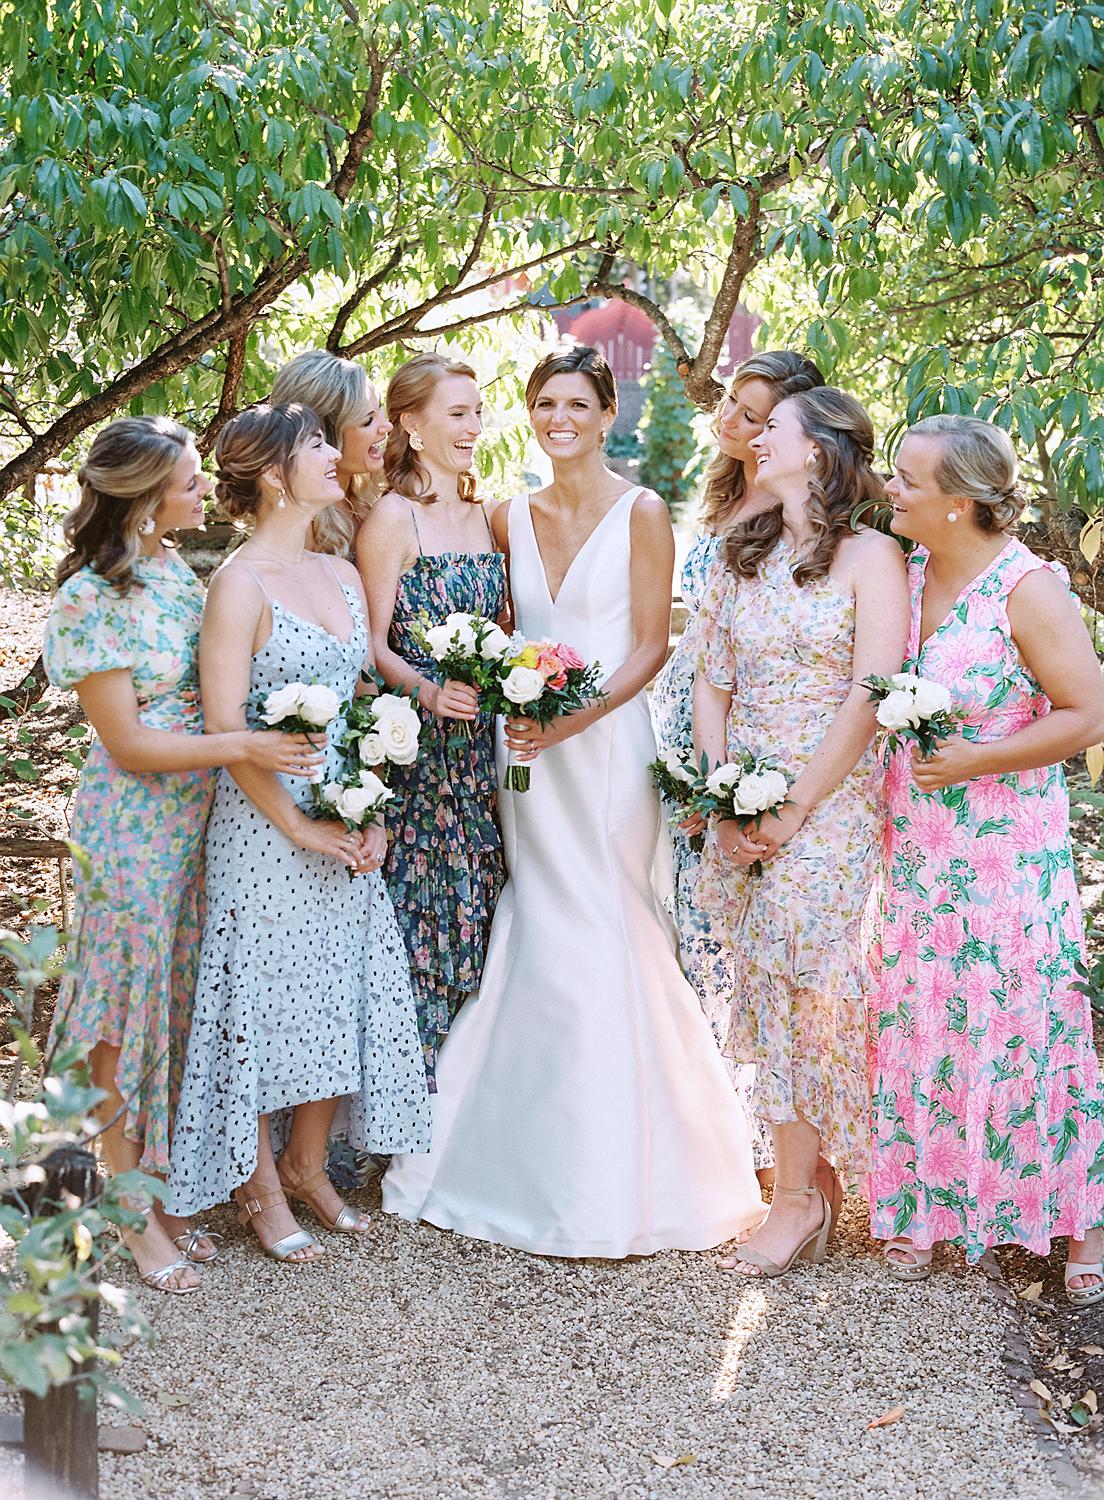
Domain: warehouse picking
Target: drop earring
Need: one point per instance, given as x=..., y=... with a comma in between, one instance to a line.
x=416, y=442
x=952, y=515
x=148, y=527
x=811, y=461
x=281, y=503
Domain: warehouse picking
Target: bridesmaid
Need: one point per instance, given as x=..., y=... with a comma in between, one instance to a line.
x=756, y=387
x=988, y=1105
x=303, y=995
x=346, y=403
x=799, y=611
x=124, y=632
x=426, y=551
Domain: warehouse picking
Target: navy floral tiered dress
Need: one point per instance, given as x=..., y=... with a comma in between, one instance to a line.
x=444, y=866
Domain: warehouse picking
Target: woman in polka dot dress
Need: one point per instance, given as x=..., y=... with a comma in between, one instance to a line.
x=303, y=999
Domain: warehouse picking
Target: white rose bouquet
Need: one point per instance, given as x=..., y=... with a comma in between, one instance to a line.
x=300, y=708
x=913, y=710
x=539, y=680
x=742, y=790
x=356, y=797
x=468, y=649
x=678, y=779
x=382, y=729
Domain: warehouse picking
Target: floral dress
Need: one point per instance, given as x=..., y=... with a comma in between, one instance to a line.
x=700, y=951
x=444, y=865
x=793, y=974
x=987, y=1117
x=138, y=908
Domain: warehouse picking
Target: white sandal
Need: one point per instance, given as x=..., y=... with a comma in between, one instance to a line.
x=919, y=1268
x=1084, y=1296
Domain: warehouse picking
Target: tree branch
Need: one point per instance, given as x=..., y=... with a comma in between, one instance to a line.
x=231, y=383
x=360, y=291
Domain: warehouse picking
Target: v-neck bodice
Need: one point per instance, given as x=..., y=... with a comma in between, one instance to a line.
x=592, y=610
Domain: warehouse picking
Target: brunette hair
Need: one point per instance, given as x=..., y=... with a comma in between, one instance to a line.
x=977, y=462
x=121, y=482
x=580, y=359
x=336, y=390
x=260, y=437
x=408, y=390
x=787, y=373
x=841, y=481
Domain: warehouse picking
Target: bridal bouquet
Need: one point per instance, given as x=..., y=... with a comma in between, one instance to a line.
x=913, y=709
x=468, y=649
x=742, y=791
x=540, y=680
x=679, y=780
x=300, y=708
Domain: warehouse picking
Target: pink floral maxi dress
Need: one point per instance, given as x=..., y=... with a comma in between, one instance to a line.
x=138, y=913
x=987, y=1107
x=793, y=974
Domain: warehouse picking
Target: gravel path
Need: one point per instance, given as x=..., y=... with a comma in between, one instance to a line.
x=425, y=1365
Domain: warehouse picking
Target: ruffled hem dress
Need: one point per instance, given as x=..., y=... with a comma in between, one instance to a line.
x=138, y=899
x=303, y=990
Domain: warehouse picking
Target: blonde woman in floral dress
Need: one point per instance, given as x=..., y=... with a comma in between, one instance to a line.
x=988, y=1109
x=800, y=610
x=124, y=633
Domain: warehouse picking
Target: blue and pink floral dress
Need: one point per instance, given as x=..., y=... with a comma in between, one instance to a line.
x=138, y=910
x=988, y=1111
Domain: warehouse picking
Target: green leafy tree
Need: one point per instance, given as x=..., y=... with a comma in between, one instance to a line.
x=669, y=448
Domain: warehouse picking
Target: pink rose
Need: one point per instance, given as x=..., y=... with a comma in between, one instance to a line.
x=551, y=668
x=569, y=658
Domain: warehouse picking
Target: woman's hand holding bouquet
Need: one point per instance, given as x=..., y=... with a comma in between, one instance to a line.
x=743, y=791
x=540, y=681
x=680, y=780
x=467, y=649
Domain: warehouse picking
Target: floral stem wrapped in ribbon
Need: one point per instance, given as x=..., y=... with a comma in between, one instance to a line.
x=300, y=708
x=743, y=791
x=540, y=680
x=914, y=710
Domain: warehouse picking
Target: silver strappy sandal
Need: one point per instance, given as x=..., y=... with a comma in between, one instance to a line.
x=251, y=1206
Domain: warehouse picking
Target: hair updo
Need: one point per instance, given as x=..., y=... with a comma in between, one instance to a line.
x=121, y=482
x=261, y=437
x=581, y=359
x=841, y=481
x=337, y=391
x=787, y=373
x=408, y=391
x=976, y=462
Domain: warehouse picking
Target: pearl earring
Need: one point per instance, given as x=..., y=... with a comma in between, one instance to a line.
x=416, y=442
x=952, y=515
x=281, y=503
x=148, y=526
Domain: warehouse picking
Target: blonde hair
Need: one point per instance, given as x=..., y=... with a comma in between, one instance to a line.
x=841, y=481
x=408, y=390
x=122, y=482
x=787, y=373
x=261, y=437
x=336, y=390
x=976, y=462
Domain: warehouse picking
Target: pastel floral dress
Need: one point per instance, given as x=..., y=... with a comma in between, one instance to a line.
x=792, y=974
x=987, y=1117
x=138, y=910
x=444, y=865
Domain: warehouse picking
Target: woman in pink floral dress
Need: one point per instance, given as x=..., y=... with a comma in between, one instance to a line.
x=988, y=1115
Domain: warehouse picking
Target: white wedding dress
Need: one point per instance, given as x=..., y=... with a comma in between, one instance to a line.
x=583, y=1108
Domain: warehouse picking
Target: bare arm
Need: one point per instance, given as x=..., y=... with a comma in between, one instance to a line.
x=652, y=568
x=1052, y=639
x=232, y=622
x=500, y=532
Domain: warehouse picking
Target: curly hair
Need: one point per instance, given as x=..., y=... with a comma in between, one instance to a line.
x=977, y=462
x=840, y=481
x=408, y=390
x=260, y=437
x=787, y=373
x=121, y=482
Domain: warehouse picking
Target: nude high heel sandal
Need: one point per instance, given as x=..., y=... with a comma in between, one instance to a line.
x=303, y=1190
x=252, y=1206
x=813, y=1247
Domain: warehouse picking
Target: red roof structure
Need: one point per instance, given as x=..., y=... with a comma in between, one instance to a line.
x=626, y=336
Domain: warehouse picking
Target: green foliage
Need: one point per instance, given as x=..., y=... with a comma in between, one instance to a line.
x=51, y=1281
x=669, y=462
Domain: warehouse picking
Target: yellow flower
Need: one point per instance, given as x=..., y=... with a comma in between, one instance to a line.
x=526, y=658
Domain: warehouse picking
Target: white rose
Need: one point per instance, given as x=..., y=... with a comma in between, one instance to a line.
x=438, y=639
x=776, y=787
x=282, y=703
x=897, y=710
x=398, y=734
x=496, y=644
x=907, y=680
x=523, y=685
x=353, y=802
x=390, y=703
x=719, y=781
x=371, y=750
x=931, y=698
x=757, y=791
x=330, y=792
x=676, y=767
x=318, y=704
x=370, y=782
x=461, y=631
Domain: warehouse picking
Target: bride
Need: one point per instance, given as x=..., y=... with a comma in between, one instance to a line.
x=583, y=1108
